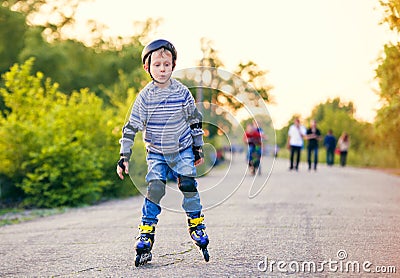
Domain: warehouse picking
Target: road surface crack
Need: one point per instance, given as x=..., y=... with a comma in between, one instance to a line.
x=173, y=254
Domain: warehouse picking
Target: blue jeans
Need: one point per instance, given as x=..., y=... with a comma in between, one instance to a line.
x=182, y=164
x=330, y=156
x=309, y=157
x=250, y=152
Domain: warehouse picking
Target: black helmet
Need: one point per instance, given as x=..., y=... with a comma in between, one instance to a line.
x=156, y=45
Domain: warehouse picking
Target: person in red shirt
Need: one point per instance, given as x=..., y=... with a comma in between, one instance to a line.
x=253, y=138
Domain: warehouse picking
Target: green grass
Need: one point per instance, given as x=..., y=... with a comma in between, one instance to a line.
x=9, y=216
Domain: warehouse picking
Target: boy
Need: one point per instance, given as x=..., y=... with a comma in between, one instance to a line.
x=166, y=112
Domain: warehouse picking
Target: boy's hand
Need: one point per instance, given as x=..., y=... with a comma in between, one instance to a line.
x=199, y=162
x=198, y=155
x=122, y=166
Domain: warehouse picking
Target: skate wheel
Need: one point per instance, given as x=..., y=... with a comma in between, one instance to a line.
x=143, y=258
x=206, y=255
x=137, y=260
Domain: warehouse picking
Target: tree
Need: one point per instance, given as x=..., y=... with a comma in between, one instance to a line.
x=339, y=116
x=75, y=66
x=253, y=75
x=387, y=121
x=53, y=16
x=391, y=14
x=222, y=94
x=247, y=83
x=93, y=64
x=12, y=29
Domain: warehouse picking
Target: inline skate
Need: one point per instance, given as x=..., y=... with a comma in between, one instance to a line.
x=198, y=234
x=144, y=244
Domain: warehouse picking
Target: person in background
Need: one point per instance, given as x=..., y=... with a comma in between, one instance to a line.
x=313, y=137
x=330, y=144
x=253, y=138
x=295, y=142
x=343, y=145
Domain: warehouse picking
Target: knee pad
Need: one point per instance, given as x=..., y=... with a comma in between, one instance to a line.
x=156, y=190
x=187, y=185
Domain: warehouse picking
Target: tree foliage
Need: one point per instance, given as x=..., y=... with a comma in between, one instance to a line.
x=56, y=147
x=222, y=94
x=67, y=61
x=391, y=13
x=338, y=116
x=53, y=16
x=76, y=66
x=12, y=29
x=387, y=121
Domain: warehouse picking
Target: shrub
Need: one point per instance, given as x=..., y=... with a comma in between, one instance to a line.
x=55, y=148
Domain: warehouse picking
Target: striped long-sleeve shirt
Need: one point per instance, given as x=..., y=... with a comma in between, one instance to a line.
x=168, y=118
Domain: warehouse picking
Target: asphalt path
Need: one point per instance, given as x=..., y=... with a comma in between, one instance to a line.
x=335, y=222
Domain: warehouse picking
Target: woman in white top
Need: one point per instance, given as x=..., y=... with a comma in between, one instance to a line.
x=343, y=145
x=295, y=142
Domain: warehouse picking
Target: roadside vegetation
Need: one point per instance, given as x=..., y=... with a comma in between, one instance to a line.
x=63, y=103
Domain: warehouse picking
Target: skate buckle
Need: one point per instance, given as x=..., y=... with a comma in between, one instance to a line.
x=146, y=229
x=195, y=221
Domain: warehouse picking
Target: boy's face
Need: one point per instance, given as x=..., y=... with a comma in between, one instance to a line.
x=160, y=67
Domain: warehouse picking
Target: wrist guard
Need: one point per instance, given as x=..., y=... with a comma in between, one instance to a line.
x=126, y=155
x=121, y=162
x=198, y=152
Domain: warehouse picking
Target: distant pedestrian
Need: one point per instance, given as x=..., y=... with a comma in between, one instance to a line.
x=253, y=138
x=313, y=137
x=295, y=142
x=343, y=145
x=330, y=144
x=276, y=150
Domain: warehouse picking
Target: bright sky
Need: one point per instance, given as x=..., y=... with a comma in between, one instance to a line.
x=312, y=49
